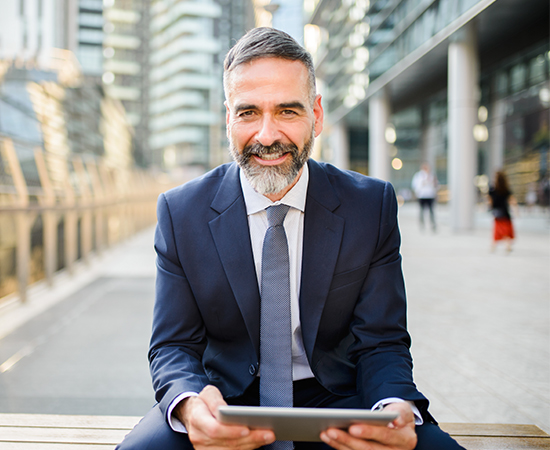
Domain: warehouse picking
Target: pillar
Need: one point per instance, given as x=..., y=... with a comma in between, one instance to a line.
x=430, y=140
x=339, y=144
x=379, y=114
x=497, y=136
x=462, y=110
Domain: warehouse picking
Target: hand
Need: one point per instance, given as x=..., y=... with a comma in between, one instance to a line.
x=398, y=435
x=198, y=414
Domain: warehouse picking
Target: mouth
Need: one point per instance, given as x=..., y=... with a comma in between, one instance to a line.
x=270, y=159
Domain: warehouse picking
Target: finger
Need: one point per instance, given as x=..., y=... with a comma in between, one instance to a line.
x=209, y=425
x=212, y=396
x=341, y=440
x=406, y=415
x=374, y=437
x=209, y=429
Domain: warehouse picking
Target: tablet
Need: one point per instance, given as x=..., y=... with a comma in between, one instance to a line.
x=301, y=424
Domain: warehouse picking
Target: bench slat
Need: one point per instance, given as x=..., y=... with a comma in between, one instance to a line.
x=489, y=429
x=65, y=421
x=503, y=443
x=54, y=432
x=61, y=435
x=41, y=446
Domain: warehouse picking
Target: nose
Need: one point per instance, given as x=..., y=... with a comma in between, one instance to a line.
x=268, y=133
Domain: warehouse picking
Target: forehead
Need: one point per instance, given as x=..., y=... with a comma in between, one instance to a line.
x=268, y=76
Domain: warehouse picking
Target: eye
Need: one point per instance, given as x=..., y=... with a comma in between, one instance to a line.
x=245, y=114
x=288, y=112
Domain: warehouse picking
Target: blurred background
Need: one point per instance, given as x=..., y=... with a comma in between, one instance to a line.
x=106, y=103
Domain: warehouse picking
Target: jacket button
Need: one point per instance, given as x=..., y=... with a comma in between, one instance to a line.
x=252, y=369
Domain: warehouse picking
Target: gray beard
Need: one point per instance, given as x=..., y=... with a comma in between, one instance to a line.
x=271, y=179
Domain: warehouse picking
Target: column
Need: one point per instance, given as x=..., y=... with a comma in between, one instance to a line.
x=379, y=114
x=462, y=104
x=339, y=145
x=430, y=140
x=497, y=136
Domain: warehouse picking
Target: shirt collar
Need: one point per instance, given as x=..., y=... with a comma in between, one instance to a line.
x=295, y=198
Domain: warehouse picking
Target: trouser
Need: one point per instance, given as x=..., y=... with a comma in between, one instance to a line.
x=154, y=433
x=427, y=203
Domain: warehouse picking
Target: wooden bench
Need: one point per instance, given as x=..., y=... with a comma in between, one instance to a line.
x=56, y=432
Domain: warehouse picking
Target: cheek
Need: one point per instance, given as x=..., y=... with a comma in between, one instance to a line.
x=240, y=134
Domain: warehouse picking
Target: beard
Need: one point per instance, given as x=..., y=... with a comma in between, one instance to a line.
x=272, y=179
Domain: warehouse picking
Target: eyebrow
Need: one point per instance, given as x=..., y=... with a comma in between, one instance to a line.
x=244, y=107
x=289, y=105
x=292, y=105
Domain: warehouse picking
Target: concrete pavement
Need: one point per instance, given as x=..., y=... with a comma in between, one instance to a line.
x=480, y=323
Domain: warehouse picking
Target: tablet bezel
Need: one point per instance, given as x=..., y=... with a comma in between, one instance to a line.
x=301, y=424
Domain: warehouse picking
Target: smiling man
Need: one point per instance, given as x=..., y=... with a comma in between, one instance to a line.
x=272, y=120
x=279, y=279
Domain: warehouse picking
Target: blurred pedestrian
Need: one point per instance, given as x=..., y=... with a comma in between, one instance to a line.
x=501, y=198
x=424, y=185
x=531, y=197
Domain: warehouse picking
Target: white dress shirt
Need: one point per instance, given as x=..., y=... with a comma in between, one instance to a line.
x=256, y=205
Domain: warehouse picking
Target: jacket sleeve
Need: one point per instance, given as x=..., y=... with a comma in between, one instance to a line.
x=178, y=335
x=382, y=342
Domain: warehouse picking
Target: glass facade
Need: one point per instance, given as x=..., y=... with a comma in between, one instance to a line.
x=401, y=47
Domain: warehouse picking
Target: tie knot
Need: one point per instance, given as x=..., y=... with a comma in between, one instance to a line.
x=276, y=215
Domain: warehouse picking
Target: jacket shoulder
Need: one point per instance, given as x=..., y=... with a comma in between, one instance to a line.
x=202, y=188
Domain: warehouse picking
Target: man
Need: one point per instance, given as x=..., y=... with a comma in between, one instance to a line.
x=425, y=185
x=347, y=312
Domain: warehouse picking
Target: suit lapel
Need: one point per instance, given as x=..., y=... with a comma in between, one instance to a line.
x=232, y=239
x=323, y=232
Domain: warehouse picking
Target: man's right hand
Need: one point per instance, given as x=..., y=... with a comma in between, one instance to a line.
x=198, y=414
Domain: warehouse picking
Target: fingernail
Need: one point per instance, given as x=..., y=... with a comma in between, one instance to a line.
x=245, y=432
x=332, y=434
x=325, y=438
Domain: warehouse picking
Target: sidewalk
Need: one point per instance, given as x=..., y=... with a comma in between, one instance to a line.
x=480, y=324
x=480, y=321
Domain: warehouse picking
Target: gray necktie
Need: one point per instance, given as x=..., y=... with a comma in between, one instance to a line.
x=275, y=326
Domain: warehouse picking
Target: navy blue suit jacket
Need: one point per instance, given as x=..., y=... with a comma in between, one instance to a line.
x=352, y=296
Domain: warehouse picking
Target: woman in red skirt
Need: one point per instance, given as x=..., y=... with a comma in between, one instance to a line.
x=501, y=197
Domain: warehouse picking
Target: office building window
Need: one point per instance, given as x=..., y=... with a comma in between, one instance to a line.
x=537, y=72
x=518, y=77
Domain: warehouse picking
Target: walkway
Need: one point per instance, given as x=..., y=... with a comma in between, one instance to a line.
x=480, y=323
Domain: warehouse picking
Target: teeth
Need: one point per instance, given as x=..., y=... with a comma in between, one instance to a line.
x=271, y=156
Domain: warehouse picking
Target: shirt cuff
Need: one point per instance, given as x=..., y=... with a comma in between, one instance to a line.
x=173, y=421
x=418, y=420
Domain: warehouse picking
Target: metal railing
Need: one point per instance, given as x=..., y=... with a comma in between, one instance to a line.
x=48, y=222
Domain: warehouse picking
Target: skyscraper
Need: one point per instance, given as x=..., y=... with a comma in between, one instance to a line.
x=183, y=81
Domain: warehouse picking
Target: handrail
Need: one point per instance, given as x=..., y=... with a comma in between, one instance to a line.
x=94, y=210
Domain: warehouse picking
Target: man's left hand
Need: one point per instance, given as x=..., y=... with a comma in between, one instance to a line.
x=398, y=435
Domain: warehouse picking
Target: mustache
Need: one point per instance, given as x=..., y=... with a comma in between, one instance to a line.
x=276, y=147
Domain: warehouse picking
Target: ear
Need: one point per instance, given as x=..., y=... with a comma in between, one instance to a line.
x=318, y=114
x=227, y=114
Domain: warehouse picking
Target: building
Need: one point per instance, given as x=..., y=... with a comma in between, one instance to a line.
x=462, y=84
x=89, y=33
x=125, y=65
x=30, y=29
x=184, y=85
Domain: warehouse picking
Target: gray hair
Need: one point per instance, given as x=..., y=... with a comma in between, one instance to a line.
x=267, y=42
